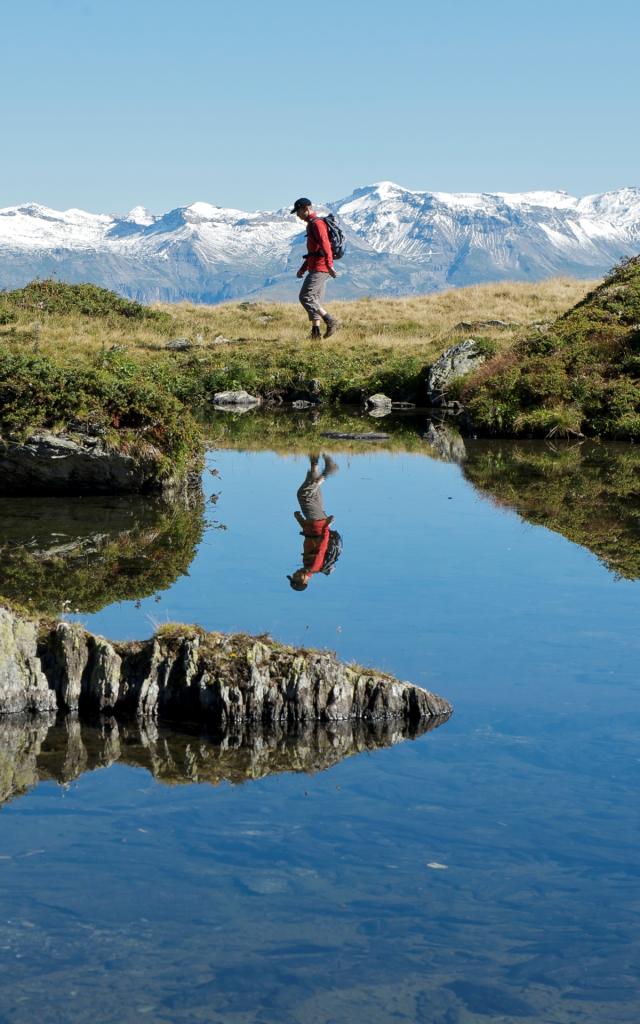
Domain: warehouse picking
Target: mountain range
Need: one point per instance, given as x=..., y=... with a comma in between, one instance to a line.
x=400, y=242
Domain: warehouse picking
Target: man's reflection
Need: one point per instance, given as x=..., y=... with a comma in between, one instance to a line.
x=322, y=545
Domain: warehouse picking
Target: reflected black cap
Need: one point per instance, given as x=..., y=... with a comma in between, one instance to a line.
x=300, y=204
x=297, y=584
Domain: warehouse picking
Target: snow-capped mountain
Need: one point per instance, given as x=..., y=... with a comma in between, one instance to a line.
x=400, y=242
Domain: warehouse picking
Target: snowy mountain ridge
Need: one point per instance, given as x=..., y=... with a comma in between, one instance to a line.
x=400, y=242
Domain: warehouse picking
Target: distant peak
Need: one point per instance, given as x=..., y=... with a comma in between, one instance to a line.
x=32, y=210
x=385, y=189
x=206, y=210
x=139, y=215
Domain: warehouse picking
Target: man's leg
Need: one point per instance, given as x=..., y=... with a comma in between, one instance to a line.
x=330, y=467
x=311, y=296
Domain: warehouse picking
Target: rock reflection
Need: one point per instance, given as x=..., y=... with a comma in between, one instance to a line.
x=45, y=748
x=589, y=492
x=68, y=554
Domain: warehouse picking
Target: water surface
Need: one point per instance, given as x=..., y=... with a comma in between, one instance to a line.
x=486, y=871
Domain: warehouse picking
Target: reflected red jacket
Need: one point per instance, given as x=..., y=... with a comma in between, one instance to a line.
x=319, y=255
x=316, y=542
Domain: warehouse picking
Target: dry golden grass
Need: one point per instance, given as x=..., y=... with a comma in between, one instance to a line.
x=422, y=325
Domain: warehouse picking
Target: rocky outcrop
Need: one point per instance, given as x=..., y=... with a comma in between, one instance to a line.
x=48, y=463
x=179, y=345
x=23, y=685
x=62, y=748
x=485, y=325
x=457, y=361
x=186, y=674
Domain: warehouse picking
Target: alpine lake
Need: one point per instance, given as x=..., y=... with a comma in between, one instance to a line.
x=483, y=871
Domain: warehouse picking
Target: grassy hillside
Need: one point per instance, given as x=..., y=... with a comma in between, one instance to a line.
x=384, y=345
x=579, y=376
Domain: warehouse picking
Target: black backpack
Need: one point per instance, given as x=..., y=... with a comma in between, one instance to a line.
x=337, y=240
x=333, y=552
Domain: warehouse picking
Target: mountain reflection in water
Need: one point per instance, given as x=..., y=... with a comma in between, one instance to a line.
x=42, y=748
x=81, y=554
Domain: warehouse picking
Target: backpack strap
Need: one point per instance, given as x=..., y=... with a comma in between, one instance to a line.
x=315, y=233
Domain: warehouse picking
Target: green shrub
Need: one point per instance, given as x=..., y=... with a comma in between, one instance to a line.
x=51, y=296
x=7, y=316
x=116, y=398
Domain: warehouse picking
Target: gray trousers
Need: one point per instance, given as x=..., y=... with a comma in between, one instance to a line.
x=312, y=293
x=309, y=496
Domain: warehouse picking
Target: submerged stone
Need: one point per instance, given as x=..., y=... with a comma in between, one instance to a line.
x=368, y=436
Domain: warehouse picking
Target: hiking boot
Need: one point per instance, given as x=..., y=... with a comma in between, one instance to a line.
x=332, y=326
x=315, y=333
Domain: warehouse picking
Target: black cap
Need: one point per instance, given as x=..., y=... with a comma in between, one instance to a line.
x=300, y=204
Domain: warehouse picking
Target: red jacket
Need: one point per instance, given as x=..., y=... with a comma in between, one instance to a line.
x=319, y=255
x=316, y=542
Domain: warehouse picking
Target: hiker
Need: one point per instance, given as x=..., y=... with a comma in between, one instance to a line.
x=315, y=524
x=318, y=265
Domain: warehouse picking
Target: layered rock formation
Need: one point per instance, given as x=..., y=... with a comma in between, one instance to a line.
x=185, y=674
x=47, y=463
x=23, y=684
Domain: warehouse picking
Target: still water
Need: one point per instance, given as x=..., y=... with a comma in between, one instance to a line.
x=484, y=871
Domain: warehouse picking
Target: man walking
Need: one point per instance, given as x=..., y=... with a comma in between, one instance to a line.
x=318, y=265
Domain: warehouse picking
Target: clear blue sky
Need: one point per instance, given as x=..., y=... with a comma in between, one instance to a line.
x=242, y=103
